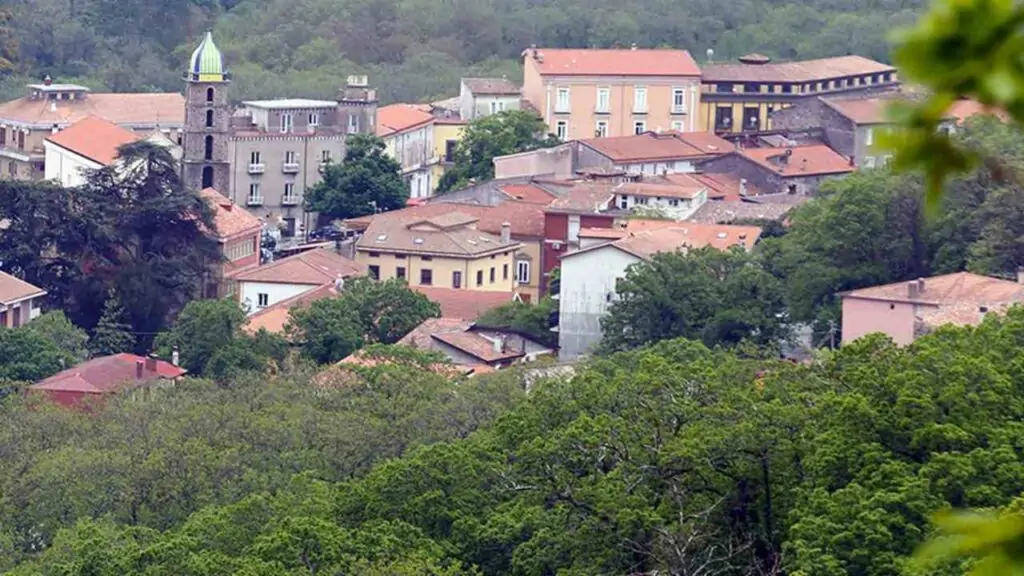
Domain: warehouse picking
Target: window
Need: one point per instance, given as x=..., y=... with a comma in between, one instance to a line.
x=562, y=101
x=290, y=158
x=262, y=300
x=325, y=156
x=254, y=194
x=751, y=118
x=289, y=193
x=287, y=121
x=677, y=126
x=209, y=118
x=373, y=254
x=353, y=124
x=255, y=158
x=426, y=276
x=497, y=106
x=314, y=119
x=678, y=100
x=3, y=136
x=869, y=161
x=208, y=147
x=449, y=150
x=820, y=86
x=21, y=139
x=860, y=80
x=207, y=176
x=492, y=275
x=869, y=136
x=640, y=99
x=725, y=87
x=886, y=159
x=400, y=272
x=601, y=131
x=673, y=202
x=374, y=271
x=604, y=97
x=426, y=258
x=504, y=271
x=639, y=127
x=624, y=202
x=456, y=279
x=791, y=189
x=562, y=130
x=479, y=277
x=209, y=94
x=523, y=272
x=399, y=256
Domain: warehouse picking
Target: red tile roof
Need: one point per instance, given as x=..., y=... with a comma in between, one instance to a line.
x=862, y=110
x=462, y=303
x=163, y=109
x=964, y=109
x=400, y=117
x=724, y=186
x=15, y=290
x=491, y=86
x=960, y=287
x=812, y=160
x=667, y=236
x=107, y=374
x=274, y=318
x=230, y=219
x=421, y=336
x=799, y=71
x=526, y=219
x=477, y=345
x=529, y=193
x=316, y=267
x=583, y=197
x=666, y=189
x=613, y=62
x=94, y=138
x=651, y=146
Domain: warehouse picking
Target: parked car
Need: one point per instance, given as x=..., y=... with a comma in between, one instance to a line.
x=329, y=232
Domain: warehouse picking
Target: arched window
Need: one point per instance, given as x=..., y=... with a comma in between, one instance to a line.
x=207, y=177
x=208, y=152
x=209, y=118
x=209, y=94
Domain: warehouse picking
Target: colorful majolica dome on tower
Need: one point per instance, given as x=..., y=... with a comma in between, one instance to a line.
x=207, y=64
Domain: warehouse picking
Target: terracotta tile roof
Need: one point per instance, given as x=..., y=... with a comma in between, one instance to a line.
x=163, y=109
x=15, y=290
x=964, y=109
x=613, y=62
x=667, y=236
x=526, y=219
x=584, y=198
x=530, y=193
x=681, y=189
x=107, y=374
x=465, y=304
x=862, y=110
x=449, y=234
x=274, y=318
x=477, y=345
x=421, y=336
x=722, y=186
x=728, y=211
x=315, y=267
x=960, y=287
x=491, y=86
x=228, y=218
x=460, y=334
x=812, y=160
x=799, y=71
x=94, y=138
x=400, y=117
x=365, y=359
x=603, y=233
x=651, y=146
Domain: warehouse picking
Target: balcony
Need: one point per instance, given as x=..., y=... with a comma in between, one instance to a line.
x=259, y=168
x=290, y=168
x=601, y=109
x=292, y=200
x=639, y=108
x=562, y=108
x=254, y=201
x=678, y=110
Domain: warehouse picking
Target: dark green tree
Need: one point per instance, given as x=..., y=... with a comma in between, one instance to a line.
x=72, y=340
x=29, y=355
x=535, y=320
x=367, y=180
x=112, y=334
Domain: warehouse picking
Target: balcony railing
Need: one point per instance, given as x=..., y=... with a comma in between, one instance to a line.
x=562, y=108
x=257, y=168
x=679, y=109
x=639, y=108
x=290, y=167
x=292, y=200
x=254, y=201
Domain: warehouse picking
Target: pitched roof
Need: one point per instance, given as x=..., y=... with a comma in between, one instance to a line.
x=400, y=117
x=861, y=110
x=228, y=218
x=667, y=236
x=526, y=219
x=798, y=71
x=530, y=193
x=812, y=160
x=15, y=290
x=94, y=138
x=960, y=287
x=465, y=304
x=491, y=86
x=583, y=197
x=682, y=187
x=164, y=109
x=728, y=211
x=477, y=345
x=725, y=186
x=449, y=234
x=459, y=334
x=315, y=267
x=613, y=62
x=421, y=336
x=274, y=318
x=651, y=146
x=107, y=374
x=964, y=109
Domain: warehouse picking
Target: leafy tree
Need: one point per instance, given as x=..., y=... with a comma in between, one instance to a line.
x=706, y=294
x=8, y=43
x=485, y=138
x=534, y=320
x=29, y=355
x=366, y=312
x=368, y=180
x=112, y=334
x=72, y=340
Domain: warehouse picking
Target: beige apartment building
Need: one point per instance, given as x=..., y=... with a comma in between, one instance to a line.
x=445, y=251
x=598, y=93
x=47, y=108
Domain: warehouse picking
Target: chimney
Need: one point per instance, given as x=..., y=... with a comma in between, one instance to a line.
x=853, y=161
x=497, y=345
x=174, y=356
x=151, y=363
x=803, y=164
x=920, y=285
x=47, y=81
x=53, y=105
x=633, y=46
x=1020, y=275
x=139, y=365
x=506, y=232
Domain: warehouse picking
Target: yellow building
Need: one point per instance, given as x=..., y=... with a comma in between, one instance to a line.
x=447, y=133
x=740, y=97
x=444, y=250
x=586, y=93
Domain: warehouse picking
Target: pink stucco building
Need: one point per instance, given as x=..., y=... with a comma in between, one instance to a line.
x=906, y=310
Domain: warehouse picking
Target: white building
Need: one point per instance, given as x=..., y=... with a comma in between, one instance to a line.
x=675, y=196
x=89, y=144
x=479, y=97
x=590, y=274
x=408, y=133
x=267, y=285
x=20, y=302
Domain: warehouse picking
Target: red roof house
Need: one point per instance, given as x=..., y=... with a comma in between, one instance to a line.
x=89, y=381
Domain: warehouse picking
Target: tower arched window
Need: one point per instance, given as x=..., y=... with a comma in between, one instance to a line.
x=208, y=151
x=209, y=118
x=209, y=94
x=207, y=177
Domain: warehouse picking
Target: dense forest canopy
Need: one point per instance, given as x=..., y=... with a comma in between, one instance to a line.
x=412, y=49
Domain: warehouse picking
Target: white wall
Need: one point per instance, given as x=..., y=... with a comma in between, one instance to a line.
x=683, y=209
x=249, y=293
x=587, y=281
x=420, y=185
x=656, y=168
x=66, y=167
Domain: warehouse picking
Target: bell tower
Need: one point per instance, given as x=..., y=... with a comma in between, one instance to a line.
x=205, y=162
